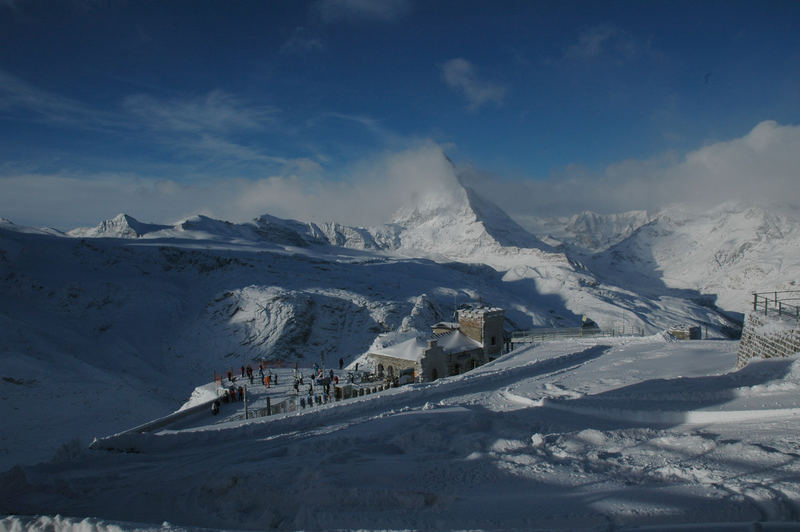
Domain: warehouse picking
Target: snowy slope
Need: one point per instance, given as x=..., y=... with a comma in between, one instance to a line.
x=156, y=313
x=146, y=306
x=571, y=435
x=103, y=330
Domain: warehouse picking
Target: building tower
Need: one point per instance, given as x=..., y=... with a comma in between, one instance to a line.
x=484, y=325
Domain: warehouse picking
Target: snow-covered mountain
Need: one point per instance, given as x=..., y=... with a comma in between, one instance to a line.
x=120, y=226
x=461, y=226
x=727, y=253
x=155, y=309
x=588, y=232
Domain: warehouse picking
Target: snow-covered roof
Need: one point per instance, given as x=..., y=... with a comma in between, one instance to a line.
x=456, y=342
x=410, y=349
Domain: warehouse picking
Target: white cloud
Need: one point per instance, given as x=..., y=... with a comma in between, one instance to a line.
x=459, y=74
x=20, y=97
x=374, y=189
x=209, y=127
x=760, y=167
x=216, y=111
x=361, y=10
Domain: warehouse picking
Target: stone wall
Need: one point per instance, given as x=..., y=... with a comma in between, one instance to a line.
x=768, y=337
x=382, y=364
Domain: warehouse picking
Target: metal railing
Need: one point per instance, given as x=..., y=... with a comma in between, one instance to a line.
x=535, y=336
x=778, y=303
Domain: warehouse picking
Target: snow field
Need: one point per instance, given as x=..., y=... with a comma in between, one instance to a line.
x=484, y=451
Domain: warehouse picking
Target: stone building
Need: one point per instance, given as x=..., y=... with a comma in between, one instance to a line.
x=686, y=332
x=453, y=348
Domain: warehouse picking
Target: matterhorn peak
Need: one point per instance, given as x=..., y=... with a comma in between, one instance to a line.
x=433, y=186
x=445, y=217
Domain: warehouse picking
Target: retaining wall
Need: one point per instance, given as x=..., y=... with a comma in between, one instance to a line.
x=768, y=337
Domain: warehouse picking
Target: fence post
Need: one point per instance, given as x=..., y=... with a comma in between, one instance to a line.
x=776, y=298
x=245, y=402
x=755, y=302
x=766, y=305
x=269, y=406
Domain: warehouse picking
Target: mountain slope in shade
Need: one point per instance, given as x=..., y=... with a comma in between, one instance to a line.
x=728, y=253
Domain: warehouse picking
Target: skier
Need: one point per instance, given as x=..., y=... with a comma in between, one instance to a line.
x=341, y=363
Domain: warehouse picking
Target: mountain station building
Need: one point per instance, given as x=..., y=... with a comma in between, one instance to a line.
x=453, y=348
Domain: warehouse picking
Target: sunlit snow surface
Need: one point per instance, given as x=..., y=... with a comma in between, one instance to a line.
x=567, y=435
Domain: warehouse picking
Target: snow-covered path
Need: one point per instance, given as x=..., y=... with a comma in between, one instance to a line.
x=538, y=439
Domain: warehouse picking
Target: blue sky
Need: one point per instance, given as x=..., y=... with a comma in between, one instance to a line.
x=167, y=109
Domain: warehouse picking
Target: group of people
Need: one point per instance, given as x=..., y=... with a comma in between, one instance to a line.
x=267, y=379
x=234, y=392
